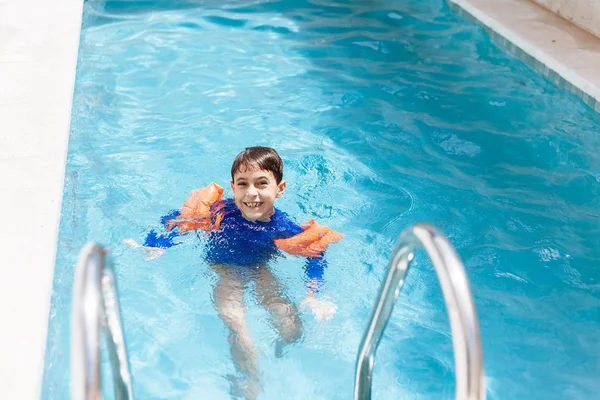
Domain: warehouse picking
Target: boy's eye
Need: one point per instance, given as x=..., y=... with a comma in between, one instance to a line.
x=242, y=183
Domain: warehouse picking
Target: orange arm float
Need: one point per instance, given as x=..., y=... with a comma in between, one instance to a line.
x=196, y=213
x=312, y=242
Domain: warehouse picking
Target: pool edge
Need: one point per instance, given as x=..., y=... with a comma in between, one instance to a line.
x=38, y=61
x=553, y=47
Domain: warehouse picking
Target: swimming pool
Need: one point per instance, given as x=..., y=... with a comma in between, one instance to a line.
x=386, y=114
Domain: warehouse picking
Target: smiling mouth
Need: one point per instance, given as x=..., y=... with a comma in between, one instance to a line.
x=253, y=204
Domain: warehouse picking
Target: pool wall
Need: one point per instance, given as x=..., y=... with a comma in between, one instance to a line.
x=583, y=13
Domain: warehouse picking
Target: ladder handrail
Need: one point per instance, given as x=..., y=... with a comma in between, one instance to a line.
x=96, y=306
x=468, y=356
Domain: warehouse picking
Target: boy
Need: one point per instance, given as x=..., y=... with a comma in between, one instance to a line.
x=244, y=233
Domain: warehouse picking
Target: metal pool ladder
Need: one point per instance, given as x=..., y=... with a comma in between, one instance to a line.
x=96, y=310
x=455, y=286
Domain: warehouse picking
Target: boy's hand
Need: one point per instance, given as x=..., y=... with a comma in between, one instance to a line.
x=322, y=309
x=152, y=253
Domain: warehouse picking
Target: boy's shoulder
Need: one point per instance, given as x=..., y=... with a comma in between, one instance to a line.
x=283, y=222
x=223, y=205
x=279, y=215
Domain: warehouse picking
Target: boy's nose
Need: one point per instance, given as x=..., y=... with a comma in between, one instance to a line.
x=252, y=192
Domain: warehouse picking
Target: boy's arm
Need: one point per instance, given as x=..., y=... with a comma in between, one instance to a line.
x=164, y=238
x=314, y=269
x=292, y=243
x=311, y=241
x=157, y=240
x=199, y=212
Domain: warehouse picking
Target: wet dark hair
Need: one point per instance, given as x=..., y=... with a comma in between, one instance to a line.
x=258, y=157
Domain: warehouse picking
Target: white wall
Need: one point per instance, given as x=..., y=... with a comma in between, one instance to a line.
x=583, y=13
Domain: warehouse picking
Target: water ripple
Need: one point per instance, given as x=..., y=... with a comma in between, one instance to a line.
x=386, y=114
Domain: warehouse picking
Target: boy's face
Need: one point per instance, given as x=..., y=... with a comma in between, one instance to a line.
x=254, y=193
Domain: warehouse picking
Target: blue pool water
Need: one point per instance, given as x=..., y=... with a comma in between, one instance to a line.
x=386, y=113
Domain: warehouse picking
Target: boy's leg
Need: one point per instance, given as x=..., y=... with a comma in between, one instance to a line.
x=284, y=313
x=228, y=297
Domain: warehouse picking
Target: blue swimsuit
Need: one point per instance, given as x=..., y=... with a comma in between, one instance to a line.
x=242, y=243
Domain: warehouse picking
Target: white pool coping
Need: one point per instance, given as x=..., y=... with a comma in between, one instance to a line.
x=562, y=52
x=38, y=56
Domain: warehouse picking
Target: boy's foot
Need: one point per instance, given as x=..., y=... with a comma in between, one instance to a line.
x=247, y=388
x=279, y=346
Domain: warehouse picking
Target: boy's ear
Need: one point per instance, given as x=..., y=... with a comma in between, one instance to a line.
x=231, y=185
x=281, y=188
